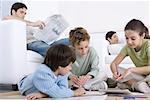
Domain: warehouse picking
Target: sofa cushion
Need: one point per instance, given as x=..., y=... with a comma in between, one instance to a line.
x=110, y=58
x=13, y=51
x=115, y=49
x=34, y=57
x=33, y=60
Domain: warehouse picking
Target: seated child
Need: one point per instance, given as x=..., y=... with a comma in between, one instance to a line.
x=85, y=70
x=51, y=78
x=138, y=49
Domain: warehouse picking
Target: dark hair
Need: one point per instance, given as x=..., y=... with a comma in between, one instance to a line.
x=147, y=36
x=77, y=35
x=17, y=6
x=109, y=34
x=138, y=26
x=59, y=55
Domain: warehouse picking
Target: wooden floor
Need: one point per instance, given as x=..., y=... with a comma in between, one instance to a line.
x=16, y=95
x=6, y=93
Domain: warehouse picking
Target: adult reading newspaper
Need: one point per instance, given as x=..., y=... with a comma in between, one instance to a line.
x=55, y=25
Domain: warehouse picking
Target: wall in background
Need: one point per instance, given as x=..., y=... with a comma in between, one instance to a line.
x=96, y=16
x=5, y=6
x=41, y=9
x=104, y=15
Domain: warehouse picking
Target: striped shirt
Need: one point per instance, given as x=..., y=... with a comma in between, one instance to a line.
x=44, y=80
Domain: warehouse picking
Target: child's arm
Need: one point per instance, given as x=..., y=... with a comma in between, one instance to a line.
x=84, y=78
x=143, y=70
x=47, y=84
x=115, y=64
x=35, y=96
x=75, y=80
x=80, y=91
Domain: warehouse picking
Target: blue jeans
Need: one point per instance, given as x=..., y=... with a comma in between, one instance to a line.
x=41, y=47
x=64, y=41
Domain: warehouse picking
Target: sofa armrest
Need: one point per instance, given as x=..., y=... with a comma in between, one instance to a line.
x=13, y=51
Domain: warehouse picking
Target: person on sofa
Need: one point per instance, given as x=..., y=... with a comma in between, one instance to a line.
x=51, y=78
x=112, y=37
x=114, y=46
x=18, y=12
x=85, y=70
x=138, y=49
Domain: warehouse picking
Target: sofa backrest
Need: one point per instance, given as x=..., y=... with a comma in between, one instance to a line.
x=100, y=44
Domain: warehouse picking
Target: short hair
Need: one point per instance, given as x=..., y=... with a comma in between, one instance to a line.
x=109, y=34
x=59, y=55
x=77, y=35
x=17, y=6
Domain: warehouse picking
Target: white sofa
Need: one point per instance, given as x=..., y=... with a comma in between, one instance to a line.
x=13, y=51
x=17, y=62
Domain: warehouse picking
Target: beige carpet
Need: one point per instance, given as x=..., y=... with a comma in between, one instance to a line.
x=17, y=96
x=11, y=95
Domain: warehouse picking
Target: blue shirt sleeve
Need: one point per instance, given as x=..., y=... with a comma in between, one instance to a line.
x=52, y=86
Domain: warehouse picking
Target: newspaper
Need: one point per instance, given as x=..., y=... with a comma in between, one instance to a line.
x=55, y=25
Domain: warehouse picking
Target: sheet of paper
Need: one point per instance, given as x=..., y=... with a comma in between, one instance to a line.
x=100, y=97
x=94, y=93
x=117, y=91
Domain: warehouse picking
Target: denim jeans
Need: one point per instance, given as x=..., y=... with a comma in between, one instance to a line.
x=41, y=47
x=64, y=41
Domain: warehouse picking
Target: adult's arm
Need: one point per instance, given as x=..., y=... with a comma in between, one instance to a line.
x=39, y=23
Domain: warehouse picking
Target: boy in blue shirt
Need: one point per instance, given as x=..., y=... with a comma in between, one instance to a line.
x=51, y=78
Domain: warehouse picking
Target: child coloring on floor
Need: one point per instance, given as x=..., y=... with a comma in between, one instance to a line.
x=85, y=70
x=138, y=49
x=51, y=78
